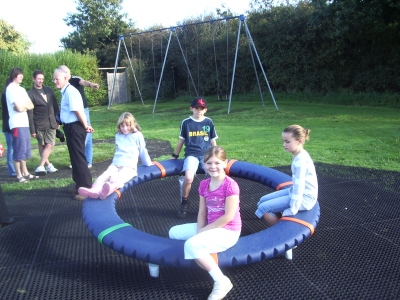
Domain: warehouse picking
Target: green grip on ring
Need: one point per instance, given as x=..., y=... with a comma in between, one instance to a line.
x=111, y=229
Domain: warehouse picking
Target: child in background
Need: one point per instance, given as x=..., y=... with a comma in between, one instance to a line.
x=218, y=222
x=7, y=135
x=304, y=192
x=130, y=145
x=197, y=134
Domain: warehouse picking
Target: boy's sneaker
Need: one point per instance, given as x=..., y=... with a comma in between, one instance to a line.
x=182, y=213
x=221, y=288
x=41, y=171
x=50, y=169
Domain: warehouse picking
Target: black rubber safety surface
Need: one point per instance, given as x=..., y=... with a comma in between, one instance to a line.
x=354, y=254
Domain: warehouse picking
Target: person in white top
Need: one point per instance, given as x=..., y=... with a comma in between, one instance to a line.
x=79, y=83
x=18, y=103
x=75, y=127
x=130, y=145
x=304, y=192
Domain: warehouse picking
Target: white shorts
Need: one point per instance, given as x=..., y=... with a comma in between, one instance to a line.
x=202, y=244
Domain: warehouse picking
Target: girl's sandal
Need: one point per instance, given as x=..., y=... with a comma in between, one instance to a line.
x=22, y=180
x=30, y=176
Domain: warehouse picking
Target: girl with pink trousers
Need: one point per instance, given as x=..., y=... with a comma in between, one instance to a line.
x=130, y=145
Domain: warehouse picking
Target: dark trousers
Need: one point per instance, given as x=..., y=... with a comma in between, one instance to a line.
x=75, y=135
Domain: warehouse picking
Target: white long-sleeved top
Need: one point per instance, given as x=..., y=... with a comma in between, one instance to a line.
x=129, y=147
x=304, y=192
x=16, y=93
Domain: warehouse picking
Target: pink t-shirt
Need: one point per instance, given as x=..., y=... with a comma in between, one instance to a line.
x=215, y=201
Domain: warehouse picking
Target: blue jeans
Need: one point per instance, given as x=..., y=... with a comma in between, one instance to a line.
x=88, y=141
x=10, y=151
x=272, y=203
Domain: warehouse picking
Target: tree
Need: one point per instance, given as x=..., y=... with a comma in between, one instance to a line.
x=12, y=40
x=98, y=24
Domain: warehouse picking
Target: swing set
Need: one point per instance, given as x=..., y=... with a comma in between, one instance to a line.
x=173, y=31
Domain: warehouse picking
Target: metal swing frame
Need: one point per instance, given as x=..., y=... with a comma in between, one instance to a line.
x=172, y=30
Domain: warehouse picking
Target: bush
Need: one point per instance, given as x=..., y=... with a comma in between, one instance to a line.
x=84, y=66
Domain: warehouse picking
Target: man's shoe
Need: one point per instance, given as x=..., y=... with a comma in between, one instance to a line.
x=50, y=169
x=182, y=213
x=78, y=197
x=41, y=171
x=220, y=289
x=73, y=191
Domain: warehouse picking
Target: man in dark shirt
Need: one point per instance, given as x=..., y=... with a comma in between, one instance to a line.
x=42, y=123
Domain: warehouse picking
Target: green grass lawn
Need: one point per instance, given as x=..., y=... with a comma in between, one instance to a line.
x=360, y=136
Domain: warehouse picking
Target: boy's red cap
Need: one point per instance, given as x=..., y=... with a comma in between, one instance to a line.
x=199, y=102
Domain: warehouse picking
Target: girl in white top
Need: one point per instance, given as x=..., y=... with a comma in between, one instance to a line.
x=304, y=192
x=130, y=145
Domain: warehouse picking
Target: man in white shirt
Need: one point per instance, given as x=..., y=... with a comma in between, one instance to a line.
x=75, y=127
x=79, y=83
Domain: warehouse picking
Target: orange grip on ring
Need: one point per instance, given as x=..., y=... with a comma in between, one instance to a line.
x=283, y=184
x=118, y=193
x=228, y=166
x=308, y=225
x=215, y=257
x=161, y=167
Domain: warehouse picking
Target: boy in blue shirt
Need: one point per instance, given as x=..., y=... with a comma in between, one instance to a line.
x=197, y=134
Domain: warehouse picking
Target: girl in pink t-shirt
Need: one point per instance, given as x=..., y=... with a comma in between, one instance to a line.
x=218, y=221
